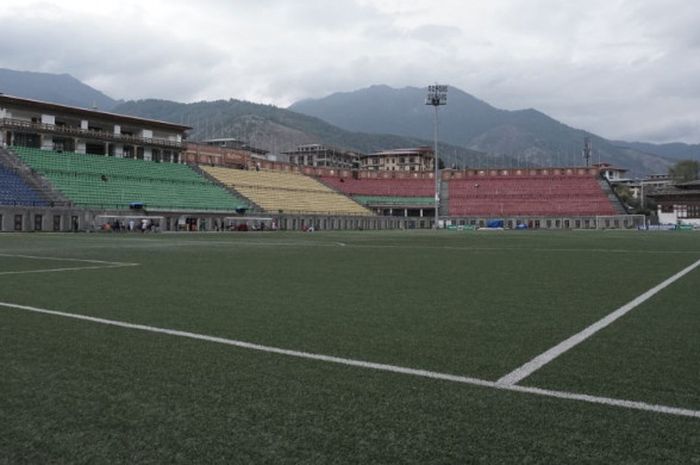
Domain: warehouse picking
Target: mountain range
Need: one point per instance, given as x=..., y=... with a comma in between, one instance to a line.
x=63, y=89
x=527, y=135
x=275, y=129
x=472, y=132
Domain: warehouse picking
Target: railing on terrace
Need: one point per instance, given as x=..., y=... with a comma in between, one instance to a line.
x=88, y=133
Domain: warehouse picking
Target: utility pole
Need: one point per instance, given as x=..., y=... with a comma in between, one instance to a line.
x=437, y=96
x=587, y=151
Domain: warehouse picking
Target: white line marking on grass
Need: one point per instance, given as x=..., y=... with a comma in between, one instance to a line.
x=541, y=360
x=64, y=259
x=97, y=264
x=520, y=249
x=373, y=366
x=59, y=270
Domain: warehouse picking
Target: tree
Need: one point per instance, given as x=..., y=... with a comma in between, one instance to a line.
x=685, y=171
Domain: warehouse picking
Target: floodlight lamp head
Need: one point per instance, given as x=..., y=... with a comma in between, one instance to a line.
x=437, y=95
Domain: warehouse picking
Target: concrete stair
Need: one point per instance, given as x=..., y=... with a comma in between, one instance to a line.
x=33, y=179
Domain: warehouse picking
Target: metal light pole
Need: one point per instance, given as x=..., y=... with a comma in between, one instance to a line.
x=437, y=96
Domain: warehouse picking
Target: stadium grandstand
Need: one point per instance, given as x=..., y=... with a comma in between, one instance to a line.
x=285, y=192
x=388, y=196
x=528, y=195
x=534, y=197
x=63, y=168
x=14, y=191
x=117, y=183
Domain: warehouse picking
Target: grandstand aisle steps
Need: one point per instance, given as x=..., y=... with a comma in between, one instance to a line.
x=34, y=180
x=444, y=209
x=614, y=199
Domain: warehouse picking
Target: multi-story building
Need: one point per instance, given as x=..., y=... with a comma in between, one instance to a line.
x=318, y=155
x=49, y=126
x=611, y=173
x=235, y=144
x=411, y=159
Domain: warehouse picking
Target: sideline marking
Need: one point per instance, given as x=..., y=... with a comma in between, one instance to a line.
x=97, y=264
x=544, y=358
x=373, y=366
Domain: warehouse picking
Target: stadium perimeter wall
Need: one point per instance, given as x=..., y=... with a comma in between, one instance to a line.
x=65, y=219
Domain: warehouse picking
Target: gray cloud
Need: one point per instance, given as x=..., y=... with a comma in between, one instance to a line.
x=624, y=69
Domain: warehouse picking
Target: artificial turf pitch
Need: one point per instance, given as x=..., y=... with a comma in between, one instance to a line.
x=461, y=303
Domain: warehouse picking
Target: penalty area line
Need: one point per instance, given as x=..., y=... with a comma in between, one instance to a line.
x=643, y=406
x=95, y=264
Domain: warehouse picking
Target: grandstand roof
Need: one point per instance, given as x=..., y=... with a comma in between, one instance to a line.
x=77, y=111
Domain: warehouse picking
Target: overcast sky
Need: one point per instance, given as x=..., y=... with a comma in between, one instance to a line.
x=627, y=69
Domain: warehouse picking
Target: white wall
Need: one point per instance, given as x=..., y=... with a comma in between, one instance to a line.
x=672, y=218
x=667, y=218
x=118, y=150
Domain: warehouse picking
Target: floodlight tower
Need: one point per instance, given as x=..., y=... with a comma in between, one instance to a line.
x=437, y=96
x=587, y=150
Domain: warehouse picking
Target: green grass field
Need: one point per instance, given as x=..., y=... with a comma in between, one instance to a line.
x=476, y=305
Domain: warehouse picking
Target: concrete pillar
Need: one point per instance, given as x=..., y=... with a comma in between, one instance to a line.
x=405, y=212
x=46, y=142
x=421, y=213
x=84, y=124
x=118, y=150
x=147, y=154
x=80, y=146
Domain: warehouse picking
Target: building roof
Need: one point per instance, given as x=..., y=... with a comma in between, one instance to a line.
x=608, y=166
x=689, y=185
x=319, y=148
x=84, y=112
x=683, y=189
x=402, y=152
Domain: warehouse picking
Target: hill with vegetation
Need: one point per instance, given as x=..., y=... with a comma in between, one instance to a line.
x=63, y=89
x=527, y=135
x=278, y=130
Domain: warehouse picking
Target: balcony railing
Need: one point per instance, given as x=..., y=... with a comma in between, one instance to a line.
x=88, y=133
